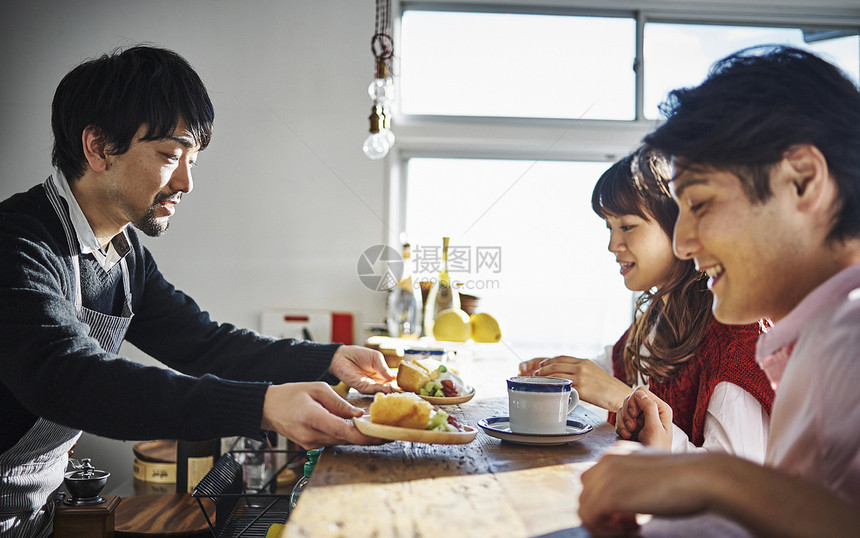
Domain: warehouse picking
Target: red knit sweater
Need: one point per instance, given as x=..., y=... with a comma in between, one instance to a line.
x=726, y=353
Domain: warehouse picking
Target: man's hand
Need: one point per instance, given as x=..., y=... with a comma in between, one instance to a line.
x=765, y=500
x=361, y=368
x=619, y=487
x=646, y=418
x=312, y=415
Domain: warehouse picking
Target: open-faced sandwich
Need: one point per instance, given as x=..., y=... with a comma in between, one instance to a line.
x=406, y=410
x=429, y=377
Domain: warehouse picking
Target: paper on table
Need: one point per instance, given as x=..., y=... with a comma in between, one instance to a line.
x=702, y=526
x=553, y=495
x=474, y=504
x=486, y=505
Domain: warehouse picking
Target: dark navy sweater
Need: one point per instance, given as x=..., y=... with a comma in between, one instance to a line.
x=51, y=368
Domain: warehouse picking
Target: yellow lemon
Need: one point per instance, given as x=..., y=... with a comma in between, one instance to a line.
x=485, y=328
x=452, y=325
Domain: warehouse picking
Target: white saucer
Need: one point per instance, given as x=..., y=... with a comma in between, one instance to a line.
x=500, y=428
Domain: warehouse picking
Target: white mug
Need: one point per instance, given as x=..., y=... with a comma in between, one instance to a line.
x=540, y=405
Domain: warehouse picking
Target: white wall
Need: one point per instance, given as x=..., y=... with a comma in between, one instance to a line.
x=284, y=199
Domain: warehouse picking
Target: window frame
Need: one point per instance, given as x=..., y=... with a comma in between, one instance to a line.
x=563, y=139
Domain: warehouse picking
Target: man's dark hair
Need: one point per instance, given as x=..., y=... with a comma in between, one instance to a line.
x=757, y=104
x=120, y=92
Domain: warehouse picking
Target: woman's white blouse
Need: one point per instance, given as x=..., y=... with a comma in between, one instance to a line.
x=735, y=424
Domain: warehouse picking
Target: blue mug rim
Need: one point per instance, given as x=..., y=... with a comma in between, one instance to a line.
x=539, y=384
x=425, y=351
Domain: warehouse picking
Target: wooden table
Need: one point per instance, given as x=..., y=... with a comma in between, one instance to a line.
x=486, y=488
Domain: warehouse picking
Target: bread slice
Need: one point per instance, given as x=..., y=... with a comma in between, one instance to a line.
x=404, y=410
x=431, y=365
x=412, y=375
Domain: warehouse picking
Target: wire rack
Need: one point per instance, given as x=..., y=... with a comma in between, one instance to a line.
x=239, y=513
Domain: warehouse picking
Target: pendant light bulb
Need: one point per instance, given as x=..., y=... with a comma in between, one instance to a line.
x=381, y=90
x=380, y=140
x=376, y=145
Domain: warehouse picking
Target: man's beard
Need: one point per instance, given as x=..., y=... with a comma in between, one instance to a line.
x=149, y=223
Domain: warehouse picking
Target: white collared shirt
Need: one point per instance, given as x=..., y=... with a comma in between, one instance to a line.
x=87, y=242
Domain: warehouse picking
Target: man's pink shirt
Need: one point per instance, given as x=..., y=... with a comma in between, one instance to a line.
x=812, y=357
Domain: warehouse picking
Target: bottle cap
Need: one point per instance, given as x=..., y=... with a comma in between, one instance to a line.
x=314, y=455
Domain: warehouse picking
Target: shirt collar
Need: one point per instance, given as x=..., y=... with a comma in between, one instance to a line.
x=829, y=294
x=87, y=242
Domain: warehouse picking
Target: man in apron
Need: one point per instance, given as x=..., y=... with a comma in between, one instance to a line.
x=75, y=282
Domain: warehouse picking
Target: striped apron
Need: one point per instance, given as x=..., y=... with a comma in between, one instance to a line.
x=33, y=469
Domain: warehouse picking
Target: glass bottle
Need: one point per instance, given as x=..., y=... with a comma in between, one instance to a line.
x=404, y=303
x=313, y=457
x=257, y=465
x=193, y=460
x=442, y=295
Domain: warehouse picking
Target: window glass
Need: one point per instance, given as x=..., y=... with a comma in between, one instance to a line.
x=679, y=55
x=510, y=65
x=552, y=283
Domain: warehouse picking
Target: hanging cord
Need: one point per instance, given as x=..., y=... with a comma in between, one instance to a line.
x=381, y=44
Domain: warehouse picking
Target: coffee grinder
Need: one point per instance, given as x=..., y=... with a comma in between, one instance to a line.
x=84, y=511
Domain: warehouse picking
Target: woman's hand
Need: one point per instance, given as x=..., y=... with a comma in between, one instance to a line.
x=594, y=385
x=645, y=418
x=528, y=367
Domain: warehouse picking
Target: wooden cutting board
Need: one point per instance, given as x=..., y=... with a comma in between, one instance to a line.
x=164, y=515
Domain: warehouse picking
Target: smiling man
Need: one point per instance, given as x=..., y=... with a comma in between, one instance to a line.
x=141, y=186
x=75, y=282
x=767, y=178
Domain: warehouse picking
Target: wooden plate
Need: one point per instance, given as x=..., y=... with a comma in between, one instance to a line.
x=394, y=433
x=172, y=514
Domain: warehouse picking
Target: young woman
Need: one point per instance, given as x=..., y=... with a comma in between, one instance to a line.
x=706, y=371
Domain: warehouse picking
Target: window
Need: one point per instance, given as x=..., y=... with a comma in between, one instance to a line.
x=567, y=66
x=507, y=117
x=495, y=64
x=671, y=46
x=545, y=271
